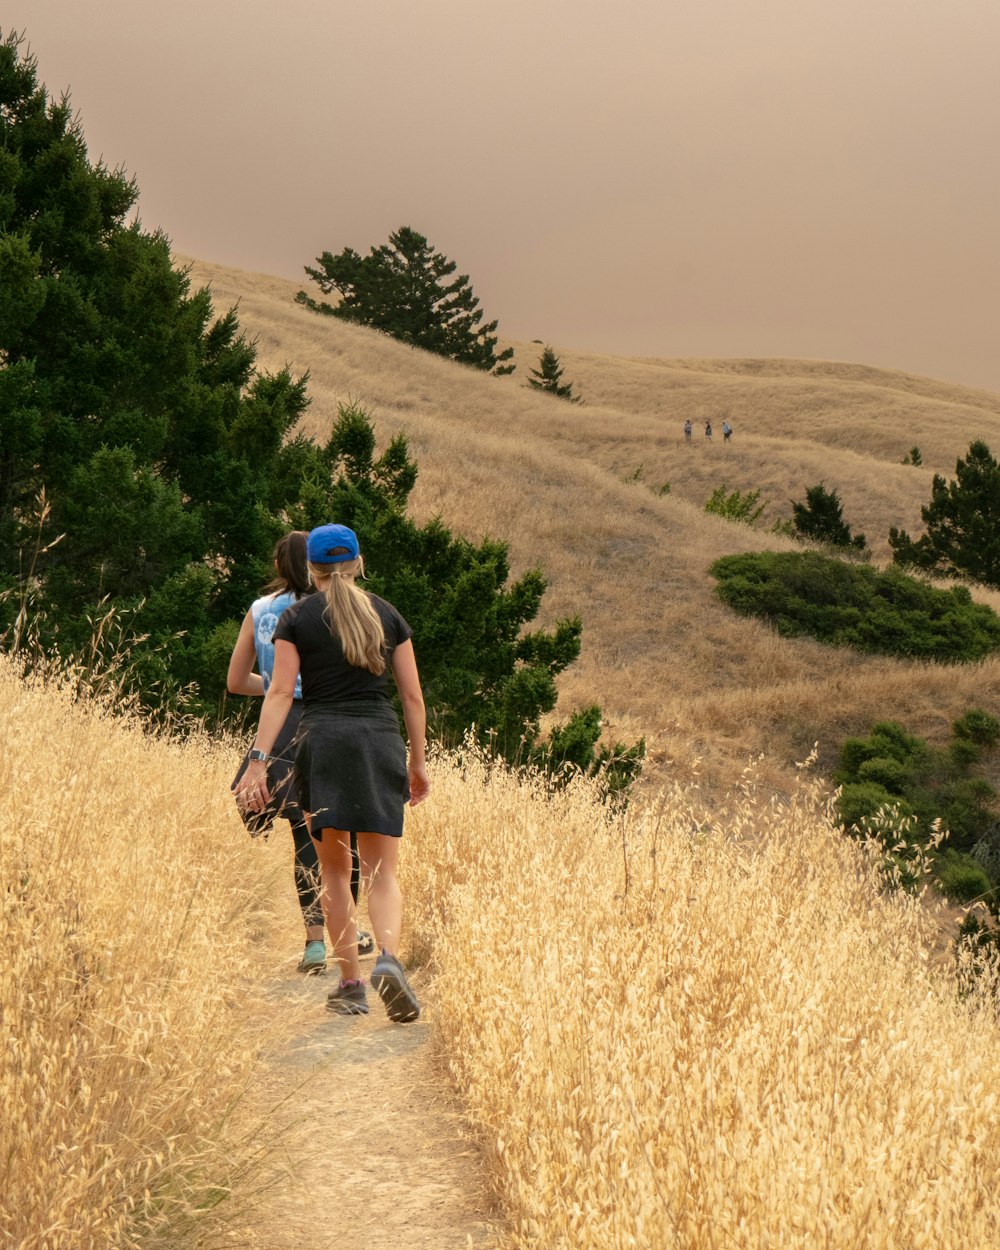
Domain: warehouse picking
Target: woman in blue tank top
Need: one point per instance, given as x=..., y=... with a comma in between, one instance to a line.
x=255, y=646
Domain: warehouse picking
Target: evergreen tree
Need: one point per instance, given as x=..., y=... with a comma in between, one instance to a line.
x=162, y=454
x=547, y=377
x=402, y=288
x=147, y=468
x=963, y=523
x=821, y=518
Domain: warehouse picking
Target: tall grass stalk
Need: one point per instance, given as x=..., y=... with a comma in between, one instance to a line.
x=131, y=911
x=753, y=1048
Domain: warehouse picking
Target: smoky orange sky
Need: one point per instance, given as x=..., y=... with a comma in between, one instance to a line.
x=646, y=177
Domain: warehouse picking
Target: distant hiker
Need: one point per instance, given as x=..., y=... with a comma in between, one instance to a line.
x=351, y=768
x=727, y=431
x=687, y=430
x=254, y=644
x=708, y=429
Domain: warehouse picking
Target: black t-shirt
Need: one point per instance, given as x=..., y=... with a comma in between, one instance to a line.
x=326, y=675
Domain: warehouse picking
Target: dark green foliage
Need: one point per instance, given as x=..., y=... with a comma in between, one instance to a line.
x=913, y=456
x=736, y=505
x=979, y=727
x=860, y=800
x=854, y=605
x=147, y=469
x=978, y=946
x=140, y=417
x=963, y=523
x=960, y=878
x=547, y=377
x=572, y=746
x=406, y=289
x=821, y=519
x=886, y=772
x=894, y=768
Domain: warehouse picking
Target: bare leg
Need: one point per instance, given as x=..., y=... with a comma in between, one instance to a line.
x=334, y=851
x=379, y=862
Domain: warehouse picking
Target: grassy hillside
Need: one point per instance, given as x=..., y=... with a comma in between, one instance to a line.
x=661, y=655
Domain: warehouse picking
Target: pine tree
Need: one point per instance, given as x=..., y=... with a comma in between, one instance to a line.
x=963, y=523
x=821, y=518
x=147, y=468
x=162, y=454
x=547, y=377
x=402, y=288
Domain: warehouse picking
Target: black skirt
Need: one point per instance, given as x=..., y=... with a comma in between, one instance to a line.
x=280, y=779
x=350, y=768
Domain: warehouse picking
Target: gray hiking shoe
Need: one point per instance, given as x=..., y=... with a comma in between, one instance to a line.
x=393, y=988
x=366, y=943
x=313, y=961
x=348, y=999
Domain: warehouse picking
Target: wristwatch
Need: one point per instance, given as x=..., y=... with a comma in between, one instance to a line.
x=254, y=754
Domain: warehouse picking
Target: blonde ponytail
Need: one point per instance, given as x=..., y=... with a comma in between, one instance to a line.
x=351, y=617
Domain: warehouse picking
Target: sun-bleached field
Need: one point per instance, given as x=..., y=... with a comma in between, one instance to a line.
x=702, y=1031
x=660, y=654
x=133, y=917
x=684, y=1026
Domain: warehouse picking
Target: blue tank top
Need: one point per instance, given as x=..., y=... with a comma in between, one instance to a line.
x=265, y=614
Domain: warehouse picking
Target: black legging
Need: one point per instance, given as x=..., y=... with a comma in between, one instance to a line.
x=307, y=881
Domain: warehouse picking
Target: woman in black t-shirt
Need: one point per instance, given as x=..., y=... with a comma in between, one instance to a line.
x=352, y=773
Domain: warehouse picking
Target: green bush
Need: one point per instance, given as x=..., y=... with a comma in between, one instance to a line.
x=978, y=726
x=860, y=800
x=886, y=772
x=966, y=806
x=845, y=604
x=894, y=767
x=960, y=878
x=736, y=505
x=964, y=752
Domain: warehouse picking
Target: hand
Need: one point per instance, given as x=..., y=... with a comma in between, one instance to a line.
x=420, y=786
x=252, y=793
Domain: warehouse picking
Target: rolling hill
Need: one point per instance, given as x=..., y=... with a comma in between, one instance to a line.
x=574, y=489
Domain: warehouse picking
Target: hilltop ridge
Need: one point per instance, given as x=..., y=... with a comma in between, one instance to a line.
x=574, y=489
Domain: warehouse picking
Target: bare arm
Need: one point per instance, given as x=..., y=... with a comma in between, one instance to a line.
x=252, y=790
x=241, y=679
x=404, y=670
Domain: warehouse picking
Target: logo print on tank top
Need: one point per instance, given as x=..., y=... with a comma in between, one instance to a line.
x=266, y=626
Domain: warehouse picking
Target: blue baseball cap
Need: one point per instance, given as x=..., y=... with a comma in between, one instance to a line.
x=326, y=540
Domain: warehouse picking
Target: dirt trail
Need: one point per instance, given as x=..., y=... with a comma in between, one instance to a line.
x=387, y=1165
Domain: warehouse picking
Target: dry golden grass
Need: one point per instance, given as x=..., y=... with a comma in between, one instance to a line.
x=131, y=912
x=660, y=654
x=691, y=1026
x=700, y=1032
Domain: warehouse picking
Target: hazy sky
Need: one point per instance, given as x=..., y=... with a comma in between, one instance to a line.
x=813, y=178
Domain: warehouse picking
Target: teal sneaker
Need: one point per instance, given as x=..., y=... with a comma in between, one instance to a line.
x=313, y=962
x=393, y=988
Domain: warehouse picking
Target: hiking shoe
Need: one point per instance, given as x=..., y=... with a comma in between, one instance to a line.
x=393, y=988
x=366, y=943
x=313, y=961
x=348, y=999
